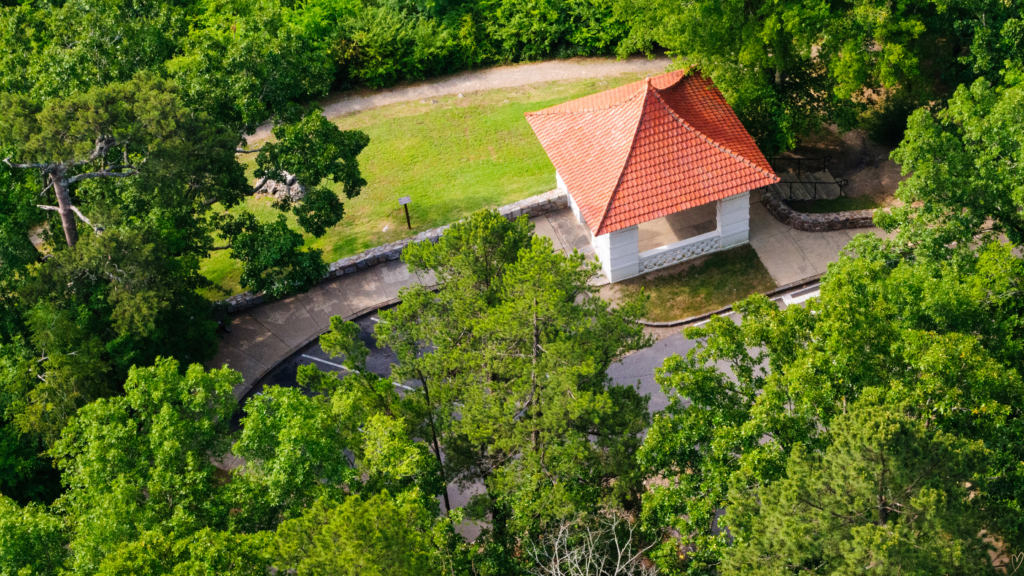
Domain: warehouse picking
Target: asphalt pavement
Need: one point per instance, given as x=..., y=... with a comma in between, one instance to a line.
x=636, y=369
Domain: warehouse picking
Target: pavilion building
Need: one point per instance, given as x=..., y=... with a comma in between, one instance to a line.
x=658, y=171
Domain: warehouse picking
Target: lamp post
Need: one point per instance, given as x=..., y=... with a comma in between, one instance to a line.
x=404, y=202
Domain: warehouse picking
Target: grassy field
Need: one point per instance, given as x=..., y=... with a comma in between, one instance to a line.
x=718, y=281
x=840, y=204
x=452, y=155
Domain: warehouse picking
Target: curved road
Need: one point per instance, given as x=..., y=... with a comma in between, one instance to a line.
x=510, y=76
x=636, y=369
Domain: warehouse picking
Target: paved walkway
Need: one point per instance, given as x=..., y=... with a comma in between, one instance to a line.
x=793, y=255
x=263, y=336
x=486, y=79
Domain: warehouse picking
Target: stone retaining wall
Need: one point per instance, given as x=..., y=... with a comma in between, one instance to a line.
x=816, y=222
x=532, y=207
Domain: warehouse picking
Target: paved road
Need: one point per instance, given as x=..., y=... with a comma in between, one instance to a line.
x=510, y=76
x=636, y=369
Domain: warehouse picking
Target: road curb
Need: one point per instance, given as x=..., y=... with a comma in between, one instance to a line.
x=728, y=309
x=248, y=386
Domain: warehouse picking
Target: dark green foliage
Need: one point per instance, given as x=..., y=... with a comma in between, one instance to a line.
x=892, y=491
x=313, y=149
x=520, y=343
x=939, y=338
x=132, y=174
x=964, y=168
x=382, y=45
x=26, y=475
x=244, y=63
x=888, y=122
x=271, y=257
x=788, y=66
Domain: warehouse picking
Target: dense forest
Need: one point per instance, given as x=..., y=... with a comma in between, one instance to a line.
x=879, y=430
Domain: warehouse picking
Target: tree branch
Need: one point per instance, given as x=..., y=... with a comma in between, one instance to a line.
x=29, y=165
x=241, y=151
x=220, y=247
x=95, y=228
x=103, y=174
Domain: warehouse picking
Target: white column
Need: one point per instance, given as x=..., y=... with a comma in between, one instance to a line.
x=734, y=220
x=619, y=253
x=572, y=203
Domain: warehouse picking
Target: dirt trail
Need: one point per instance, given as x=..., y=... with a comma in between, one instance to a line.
x=343, y=103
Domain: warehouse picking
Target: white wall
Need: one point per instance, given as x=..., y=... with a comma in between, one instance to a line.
x=572, y=203
x=734, y=220
x=619, y=253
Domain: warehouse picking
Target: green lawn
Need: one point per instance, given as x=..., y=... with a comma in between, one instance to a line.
x=720, y=280
x=840, y=204
x=453, y=158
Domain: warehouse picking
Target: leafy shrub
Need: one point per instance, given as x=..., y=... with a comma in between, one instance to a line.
x=383, y=45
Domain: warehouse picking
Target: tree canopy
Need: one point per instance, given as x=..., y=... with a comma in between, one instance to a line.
x=942, y=337
x=128, y=189
x=878, y=429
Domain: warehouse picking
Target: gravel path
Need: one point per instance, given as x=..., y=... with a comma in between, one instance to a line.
x=337, y=105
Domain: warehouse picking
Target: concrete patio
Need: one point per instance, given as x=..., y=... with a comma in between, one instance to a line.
x=792, y=255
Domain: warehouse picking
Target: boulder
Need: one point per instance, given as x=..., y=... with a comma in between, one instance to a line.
x=289, y=189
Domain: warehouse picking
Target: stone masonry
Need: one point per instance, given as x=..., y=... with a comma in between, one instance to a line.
x=815, y=222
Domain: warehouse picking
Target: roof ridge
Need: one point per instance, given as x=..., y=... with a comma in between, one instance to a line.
x=711, y=140
x=643, y=88
x=647, y=89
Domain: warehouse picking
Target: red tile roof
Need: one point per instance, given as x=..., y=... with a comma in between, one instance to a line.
x=649, y=149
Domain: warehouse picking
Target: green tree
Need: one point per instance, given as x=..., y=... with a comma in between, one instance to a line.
x=964, y=170
x=144, y=461
x=376, y=536
x=56, y=49
x=518, y=343
x=759, y=54
x=786, y=67
x=244, y=64
x=144, y=173
x=26, y=474
x=941, y=336
x=32, y=541
x=202, y=552
x=891, y=494
x=347, y=437
x=148, y=493
x=294, y=447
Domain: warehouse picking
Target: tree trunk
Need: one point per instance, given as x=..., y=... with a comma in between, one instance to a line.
x=67, y=216
x=533, y=377
x=437, y=445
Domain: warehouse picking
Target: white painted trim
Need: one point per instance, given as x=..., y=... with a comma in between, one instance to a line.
x=679, y=244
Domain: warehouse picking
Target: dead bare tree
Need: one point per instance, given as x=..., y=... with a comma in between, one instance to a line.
x=57, y=173
x=602, y=545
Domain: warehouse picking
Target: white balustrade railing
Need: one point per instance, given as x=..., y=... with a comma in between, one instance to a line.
x=680, y=251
